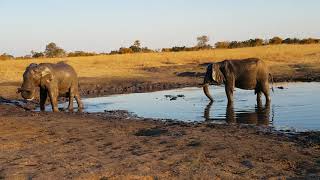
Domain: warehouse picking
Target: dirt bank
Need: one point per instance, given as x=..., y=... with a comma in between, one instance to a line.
x=96, y=87
x=113, y=145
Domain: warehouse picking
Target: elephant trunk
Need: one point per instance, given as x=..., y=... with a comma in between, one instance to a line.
x=206, y=91
x=27, y=89
x=206, y=81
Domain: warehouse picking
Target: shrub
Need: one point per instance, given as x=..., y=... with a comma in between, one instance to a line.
x=124, y=50
x=5, y=56
x=275, y=40
x=81, y=53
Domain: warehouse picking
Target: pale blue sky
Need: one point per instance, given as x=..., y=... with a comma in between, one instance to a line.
x=104, y=25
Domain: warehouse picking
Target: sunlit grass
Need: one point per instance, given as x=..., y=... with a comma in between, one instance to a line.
x=279, y=57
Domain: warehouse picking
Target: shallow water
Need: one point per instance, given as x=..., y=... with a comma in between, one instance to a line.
x=295, y=108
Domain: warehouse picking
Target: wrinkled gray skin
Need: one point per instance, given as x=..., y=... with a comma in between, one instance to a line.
x=54, y=80
x=250, y=74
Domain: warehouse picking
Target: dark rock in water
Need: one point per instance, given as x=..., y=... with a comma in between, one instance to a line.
x=168, y=96
x=280, y=87
x=173, y=98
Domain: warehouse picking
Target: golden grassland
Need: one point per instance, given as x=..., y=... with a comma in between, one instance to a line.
x=131, y=65
x=282, y=59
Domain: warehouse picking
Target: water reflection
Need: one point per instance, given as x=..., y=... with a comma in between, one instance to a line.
x=292, y=108
x=259, y=116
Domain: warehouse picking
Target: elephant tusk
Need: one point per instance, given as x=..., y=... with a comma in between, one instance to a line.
x=30, y=99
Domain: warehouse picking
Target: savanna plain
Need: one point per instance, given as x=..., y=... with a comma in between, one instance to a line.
x=113, y=145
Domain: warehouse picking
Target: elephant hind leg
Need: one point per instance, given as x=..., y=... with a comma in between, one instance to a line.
x=266, y=92
x=258, y=91
x=71, y=96
x=79, y=102
x=259, y=102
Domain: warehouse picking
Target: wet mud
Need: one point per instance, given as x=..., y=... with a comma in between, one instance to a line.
x=115, y=145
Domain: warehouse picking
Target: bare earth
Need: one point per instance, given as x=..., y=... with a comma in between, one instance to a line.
x=112, y=146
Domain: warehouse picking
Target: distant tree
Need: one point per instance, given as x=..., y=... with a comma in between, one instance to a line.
x=291, y=41
x=222, y=44
x=202, y=41
x=52, y=50
x=6, y=56
x=81, y=53
x=124, y=50
x=275, y=40
x=146, y=50
x=258, y=42
x=37, y=54
x=136, y=47
x=137, y=43
x=309, y=41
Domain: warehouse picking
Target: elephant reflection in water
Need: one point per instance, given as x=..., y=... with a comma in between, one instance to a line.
x=261, y=115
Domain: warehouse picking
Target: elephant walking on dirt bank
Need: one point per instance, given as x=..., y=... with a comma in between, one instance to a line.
x=54, y=80
x=247, y=74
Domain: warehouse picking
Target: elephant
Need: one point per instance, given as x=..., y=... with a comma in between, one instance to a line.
x=54, y=80
x=260, y=115
x=249, y=74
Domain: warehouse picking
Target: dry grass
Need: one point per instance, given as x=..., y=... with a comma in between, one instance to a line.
x=130, y=66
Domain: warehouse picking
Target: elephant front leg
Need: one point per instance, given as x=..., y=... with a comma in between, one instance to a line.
x=229, y=91
x=54, y=100
x=43, y=98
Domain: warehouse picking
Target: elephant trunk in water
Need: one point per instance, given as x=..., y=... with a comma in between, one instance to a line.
x=28, y=86
x=206, y=91
x=206, y=81
x=27, y=89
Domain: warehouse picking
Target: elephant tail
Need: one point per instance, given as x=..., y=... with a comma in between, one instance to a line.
x=271, y=78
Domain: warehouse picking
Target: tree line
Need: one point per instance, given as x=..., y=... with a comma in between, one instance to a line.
x=261, y=42
x=52, y=50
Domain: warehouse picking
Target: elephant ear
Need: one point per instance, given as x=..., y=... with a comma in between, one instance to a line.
x=31, y=68
x=44, y=73
x=217, y=75
x=227, y=71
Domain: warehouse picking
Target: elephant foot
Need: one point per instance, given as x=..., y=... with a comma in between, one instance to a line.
x=80, y=110
x=55, y=110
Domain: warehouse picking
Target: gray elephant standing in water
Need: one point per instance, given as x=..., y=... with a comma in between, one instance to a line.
x=54, y=80
x=247, y=74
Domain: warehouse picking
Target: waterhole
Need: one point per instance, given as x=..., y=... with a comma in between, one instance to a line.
x=294, y=106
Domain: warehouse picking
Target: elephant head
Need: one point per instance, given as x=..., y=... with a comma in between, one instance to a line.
x=34, y=76
x=213, y=75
